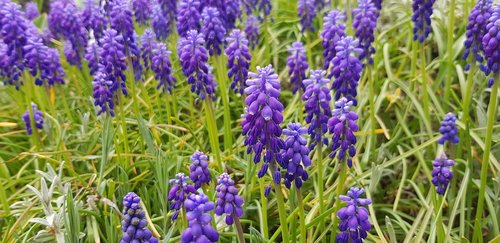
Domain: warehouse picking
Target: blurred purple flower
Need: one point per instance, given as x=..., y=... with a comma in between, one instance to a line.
x=148, y=43
x=252, y=31
x=333, y=32
x=422, y=11
x=93, y=18
x=213, y=30
x=228, y=201
x=343, y=125
x=449, y=130
x=178, y=193
x=346, y=69
x=297, y=65
x=31, y=10
x=160, y=23
x=102, y=93
x=476, y=29
x=43, y=63
x=441, y=174
x=365, y=22
x=199, y=228
x=295, y=155
x=188, y=17
x=491, y=41
x=354, y=217
x=169, y=8
x=265, y=7
x=161, y=65
x=238, y=59
x=198, y=170
x=92, y=54
x=307, y=13
x=112, y=60
x=38, y=117
x=142, y=11
x=134, y=224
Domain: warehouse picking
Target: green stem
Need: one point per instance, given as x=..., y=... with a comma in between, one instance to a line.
x=264, y=209
x=222, y=78
x=239, y=229
x=212, y=131
x=349, y=17
x=425, y=96
x=293, y=220
x=492, y=107
x=28, y=86
x=373, y=124
x=319, y=151
x=340, y=187
x=449, y=46
x=302, y=216
x=281, y=206
x=438, y=200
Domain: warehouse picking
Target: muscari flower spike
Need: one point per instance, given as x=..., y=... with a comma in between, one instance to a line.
x=265, y=7
x=134, y=223
x=238, y=60
x=250, y=6
x=31, y=10
x=193, y=58
x=160, y=23
x=148, y=43
x=354, y=217
x=365, y=22
x=295, y=155
x=42, y=62
x=188, y=17
x=92, y=54
x=422, y=11
x=142, y=11
x=491, y=42
x=112, y=60
x=378, y=4
x=93, y=18
x=317, y=105
x=342, y=125
x=307, y=13
x=346, y=69
x=441, y=174
x=197, y=214
x=233, y=12
x=161, y=65
x=252, y=31
x=178, y=193
x=198, y=170
x=169, y=8
x=320, y=4
x=213, y=30
x=333, y=32
x=449, y=130
x=297, y=65
x=476, y=29
x=38, y=118
x=228, y=201
x=103, y=93
x=262, y=119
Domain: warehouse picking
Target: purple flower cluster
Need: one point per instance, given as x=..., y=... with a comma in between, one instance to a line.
x=262, y=118
x=199, y=228
x=476, y=29
x=441, y=174
x=228, y=201
x=193, y=58
x=238, y=59
x=250, y=6
x=346, y=69
x=142, y=11
x=449, y=129
x=378, y=4
x=354, y=217
x=102, y=93
x=198, y=170
x=307, y=13
x=333, y=32
x=213, y=30
x=491, y=42
x=297, y=65
x=422, y=11
x=93, y=18
x=43, y=63
x=37, y=117
x=295, y=155
x=265, y=6
x=134, y=224
x=179, y=192
x=160, y=23
x=169, y=8
x=317, y=105
x=161, y=65
x=31, y=10
x=252, y=30
x=342, y=125
x=92, y=54
x=320, y=4
x=148, y=43
x=188, y=17
x=365, y=22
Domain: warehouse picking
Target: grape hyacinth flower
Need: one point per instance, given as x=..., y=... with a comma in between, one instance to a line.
x=491, y=42
x=160, y=23
x=342, y=125
x=354, y=217
x=228, y=201
x=346, y=69
x=449, y=129
x=250, y=6
x=198, y=170
x=297, y=65
x=169, y=8
x=92, y=54
x=193, y=58
x=252, y=31
x=317, y=105
x=476, y=29
x=37, y=117
x=307, y=13
x=161, y=65
x=42, y=62
x=320, y=5
x=72, y=54
x=422, y=11
x=378, y=4
x=441, y=174
x=333, y=32
x=142, y=11
x=232, y=13
x=134, y=223
x=262, y=119
x=213, y=30
x=148, y=43
x=102, y=93
x=365, y=22
x=199, y=228
x=188, y=17
x=112, y=60
x=93, y=18
x=295, y=155
x=238, y=59
x=179, y=192
x=265, y=7
x=31, y=10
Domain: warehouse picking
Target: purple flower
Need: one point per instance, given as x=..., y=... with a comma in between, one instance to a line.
x=31, y=10
x=354, y=217
x=160, y=23
x=378, y=4
x=148, y=43
x=121, y=19
x=142, y=11
x=112, y=60
x=92, y=54
x=250, y=6
x=93, y=18
x=320, y=4
x=491, y=42
x=476, y=29
x=42, y=62
x=307, y=13
x=346, y=69
x=252, y=30
x=160, y=64
x=265, y=6
x=228, y=201
x=342, y=125
x=102, y=93
x=238, y=59
x=169, y=8
x=295, y=155
x=317, y=105
x=422, y=11
x=262, y=118
x=449, y=129
x=232, y=13
x=199, y=228
x=441, y=174
x=193, y=58
x=134, y=224
x=297, y=65
x=38, y=117
x=213, y=30
x=333, y=32
x=198, y=170
x=72, y=54
x=178, y=193
x=188, y=17
x=365, y=22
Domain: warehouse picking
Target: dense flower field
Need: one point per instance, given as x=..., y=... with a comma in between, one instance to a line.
x=249, y=121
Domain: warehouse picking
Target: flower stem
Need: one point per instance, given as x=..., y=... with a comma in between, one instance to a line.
x=281, y=206
x=492, y=107
x=373, y=125
x=438, y=200
x=212, y=131
x=300, y=201
x=28, y=88
x=222, y=78
x=425, y=96
x=239, y=229
x=449, y=48
x=319, y=151
x=340, y=187
x=264, y=209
